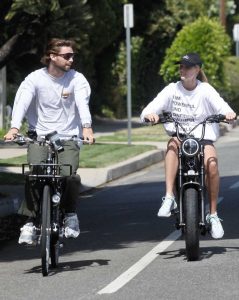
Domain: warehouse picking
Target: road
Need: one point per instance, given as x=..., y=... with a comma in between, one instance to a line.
x=126, y=252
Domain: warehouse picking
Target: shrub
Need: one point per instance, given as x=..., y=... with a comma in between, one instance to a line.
x=231, y=71
x=206, y=37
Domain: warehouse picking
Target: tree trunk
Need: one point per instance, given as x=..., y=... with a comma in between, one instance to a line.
x=7, y=49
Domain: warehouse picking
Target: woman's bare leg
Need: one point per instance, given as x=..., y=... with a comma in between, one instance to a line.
x=212, y=176
x=171, y=165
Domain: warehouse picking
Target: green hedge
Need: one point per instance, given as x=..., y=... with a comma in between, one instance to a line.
x=209, y=39
x=231, y=71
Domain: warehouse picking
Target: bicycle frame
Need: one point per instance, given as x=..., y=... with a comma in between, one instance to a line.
x=47, y=175
x=195, y=179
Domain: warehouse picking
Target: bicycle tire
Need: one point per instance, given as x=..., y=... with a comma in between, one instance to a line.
x=192, y=224
x=45, y=230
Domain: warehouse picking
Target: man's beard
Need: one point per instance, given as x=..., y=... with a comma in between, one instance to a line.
x=64, y=69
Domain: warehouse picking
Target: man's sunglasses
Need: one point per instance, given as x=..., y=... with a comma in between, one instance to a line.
x=67, y=56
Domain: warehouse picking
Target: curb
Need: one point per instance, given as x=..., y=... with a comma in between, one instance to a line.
x=96, y=177
x=140, y=162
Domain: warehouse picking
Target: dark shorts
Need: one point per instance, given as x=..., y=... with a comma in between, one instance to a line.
x=203, y=142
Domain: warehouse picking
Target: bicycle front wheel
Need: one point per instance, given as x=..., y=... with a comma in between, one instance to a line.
x=55, y=238
x=45, y=229
x=192, y=224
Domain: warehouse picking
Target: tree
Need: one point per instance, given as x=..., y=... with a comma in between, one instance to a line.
x=97, y=26
x=28, y=24
x=199, y=36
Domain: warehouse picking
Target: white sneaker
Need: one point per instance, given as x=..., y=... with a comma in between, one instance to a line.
x=28, y=234
x=168, y=204
x=217, y=231
x=71, y=226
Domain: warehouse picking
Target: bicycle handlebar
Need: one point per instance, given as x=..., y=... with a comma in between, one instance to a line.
x=167, y=117
x=21, y=140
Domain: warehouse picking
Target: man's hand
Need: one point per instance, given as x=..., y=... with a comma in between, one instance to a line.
x=153, y=118
x=230, y=116
x=11, y=134
x=88, y=135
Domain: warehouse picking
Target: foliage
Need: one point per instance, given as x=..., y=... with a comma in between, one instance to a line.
x=35, y=22
x=119, y=74
x=199, y=36
x=2, y=133
x=186, y=11
x=231, y=69
x=97, y=26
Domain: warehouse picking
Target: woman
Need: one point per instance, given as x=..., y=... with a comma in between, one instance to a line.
x=191, y=99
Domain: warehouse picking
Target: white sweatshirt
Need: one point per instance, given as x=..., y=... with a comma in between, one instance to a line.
x=50, y=103
x=189, y=107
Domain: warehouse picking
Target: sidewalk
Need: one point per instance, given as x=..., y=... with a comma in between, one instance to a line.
x=11, y=196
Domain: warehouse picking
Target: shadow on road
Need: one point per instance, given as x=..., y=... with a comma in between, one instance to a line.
x=71, y=266
x=117, y=217
x=205, y=252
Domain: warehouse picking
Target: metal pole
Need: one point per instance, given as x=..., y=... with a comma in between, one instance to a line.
x=237, y=48
x=128, y=51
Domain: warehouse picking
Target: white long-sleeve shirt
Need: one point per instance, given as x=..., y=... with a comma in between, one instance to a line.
x=189, y=107
x=51, y=103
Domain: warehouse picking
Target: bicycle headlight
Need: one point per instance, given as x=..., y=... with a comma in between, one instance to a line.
x=56, y=198
x=190, y=147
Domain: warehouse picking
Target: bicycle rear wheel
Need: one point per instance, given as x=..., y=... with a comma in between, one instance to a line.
x=46, y=230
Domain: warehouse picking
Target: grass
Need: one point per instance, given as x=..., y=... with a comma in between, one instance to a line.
x=141, y=134
x=95, y=156
x=102, y=155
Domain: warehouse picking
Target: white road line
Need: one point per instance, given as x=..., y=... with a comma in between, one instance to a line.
x=125, y=277
x=235, y=185
x=129, y=274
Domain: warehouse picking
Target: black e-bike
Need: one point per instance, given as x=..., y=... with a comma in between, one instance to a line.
x=190, y=182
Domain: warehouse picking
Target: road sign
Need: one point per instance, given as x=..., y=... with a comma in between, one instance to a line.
x=236, y=33
x=128, y=16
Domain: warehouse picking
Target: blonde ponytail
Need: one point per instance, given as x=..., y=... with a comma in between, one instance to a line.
x=202, y=76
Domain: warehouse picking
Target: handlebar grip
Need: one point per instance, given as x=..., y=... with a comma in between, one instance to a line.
x=162, y=118
x=221, y=117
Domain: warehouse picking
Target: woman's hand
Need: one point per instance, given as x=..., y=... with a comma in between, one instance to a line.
x=153, y=118
x=230, y=116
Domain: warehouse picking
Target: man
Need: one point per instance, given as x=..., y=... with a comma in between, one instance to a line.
x=55, y=97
